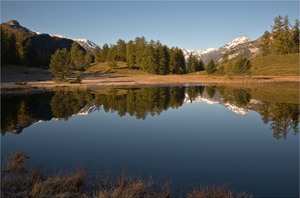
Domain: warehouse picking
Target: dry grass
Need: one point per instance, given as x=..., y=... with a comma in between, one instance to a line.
x=131, y=187
x=60, y=184
x=18, y=183
x=17, y=163
x=213, y=191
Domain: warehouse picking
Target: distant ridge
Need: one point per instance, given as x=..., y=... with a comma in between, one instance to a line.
x=241, y=45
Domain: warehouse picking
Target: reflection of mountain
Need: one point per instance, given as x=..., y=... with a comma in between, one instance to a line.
x=19, y=112
x=218, y=99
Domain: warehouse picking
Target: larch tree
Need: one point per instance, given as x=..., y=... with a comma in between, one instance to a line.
x=211, y=67
x=60, y=64
x=130, y=54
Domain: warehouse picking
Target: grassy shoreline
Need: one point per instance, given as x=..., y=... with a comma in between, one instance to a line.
x=17, y=180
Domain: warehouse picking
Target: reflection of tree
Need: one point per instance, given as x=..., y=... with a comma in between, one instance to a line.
x=23, y=115
x=19, y=111
x=142, y=102
x=283, y=118
x=67, y=103
x=240, y=97
x=194, y=91
x=210, y=90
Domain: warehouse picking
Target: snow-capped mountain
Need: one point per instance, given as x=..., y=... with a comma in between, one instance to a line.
x=239, y=46
x=85, y=43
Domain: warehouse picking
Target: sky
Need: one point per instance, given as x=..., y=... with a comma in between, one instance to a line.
x=185, y=24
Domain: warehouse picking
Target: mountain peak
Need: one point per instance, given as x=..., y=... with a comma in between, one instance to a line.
x=239, y=40
x=13, y=24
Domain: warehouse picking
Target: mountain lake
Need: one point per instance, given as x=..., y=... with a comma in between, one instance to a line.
x=187, y=135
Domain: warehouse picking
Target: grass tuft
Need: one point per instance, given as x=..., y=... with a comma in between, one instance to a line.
x=213, y=191
x=19, y=182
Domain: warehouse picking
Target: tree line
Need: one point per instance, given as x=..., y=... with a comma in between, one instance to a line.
x=152, y=56
x=283, y=39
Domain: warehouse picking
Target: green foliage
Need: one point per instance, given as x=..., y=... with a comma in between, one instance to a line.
x=87, y=59
x=239, y=66
x=10, y=48
x=78, y=79
x=194, y=64
x=177, y=61
x=60, y=64
x=77, y=56
x=282, y=39
x=295, y=37
x=130, y=55
x=121, y=50
x=265, y=43
x=211, y=67
x=97, y=54
x=104, y=53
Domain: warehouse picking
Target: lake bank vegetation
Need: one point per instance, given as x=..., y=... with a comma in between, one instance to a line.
x=19, y=179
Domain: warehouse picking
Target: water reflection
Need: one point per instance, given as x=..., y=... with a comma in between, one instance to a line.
x=21, y=111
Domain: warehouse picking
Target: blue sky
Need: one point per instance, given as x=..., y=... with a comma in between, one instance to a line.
x=186, y=24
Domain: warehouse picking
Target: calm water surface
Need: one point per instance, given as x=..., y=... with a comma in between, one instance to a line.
x=187, y=135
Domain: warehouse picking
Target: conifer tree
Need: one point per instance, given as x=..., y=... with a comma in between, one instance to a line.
x=104, y=53
x=140, y=51
x=87, y=59
x=295, y=37
x=97, y=54
x=60, y=64
x=130, y=54
x=162, y=59
x=287, y=41
x=121, y=50
x=151, y=62
x=77, y=56
x=192, y=63
x=278, y=36
x=29, y=54
x=265, y=43
x=211, y=67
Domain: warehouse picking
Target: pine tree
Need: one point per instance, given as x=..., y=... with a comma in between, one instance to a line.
x=287, y=41
x=200, y=65
x=130, y=57
x=4, y=47
x=29, y=54
x=278, y=36
x=211, y=67
x=87, y=59
x=104, y=53
x=151, y=62
x=265, y=44
x=97, y=54
x=295, y=37
x=192, y=63
x=77, y=56
x=162, y=59
x=60, y=64
x=121, y=50
x=140, y=51
x=111, y=57
x=177, y=61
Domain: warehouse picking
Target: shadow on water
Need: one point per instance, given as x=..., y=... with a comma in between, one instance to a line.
x=19, y=112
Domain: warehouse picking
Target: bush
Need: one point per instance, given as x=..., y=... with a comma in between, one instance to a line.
x=240, y=66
